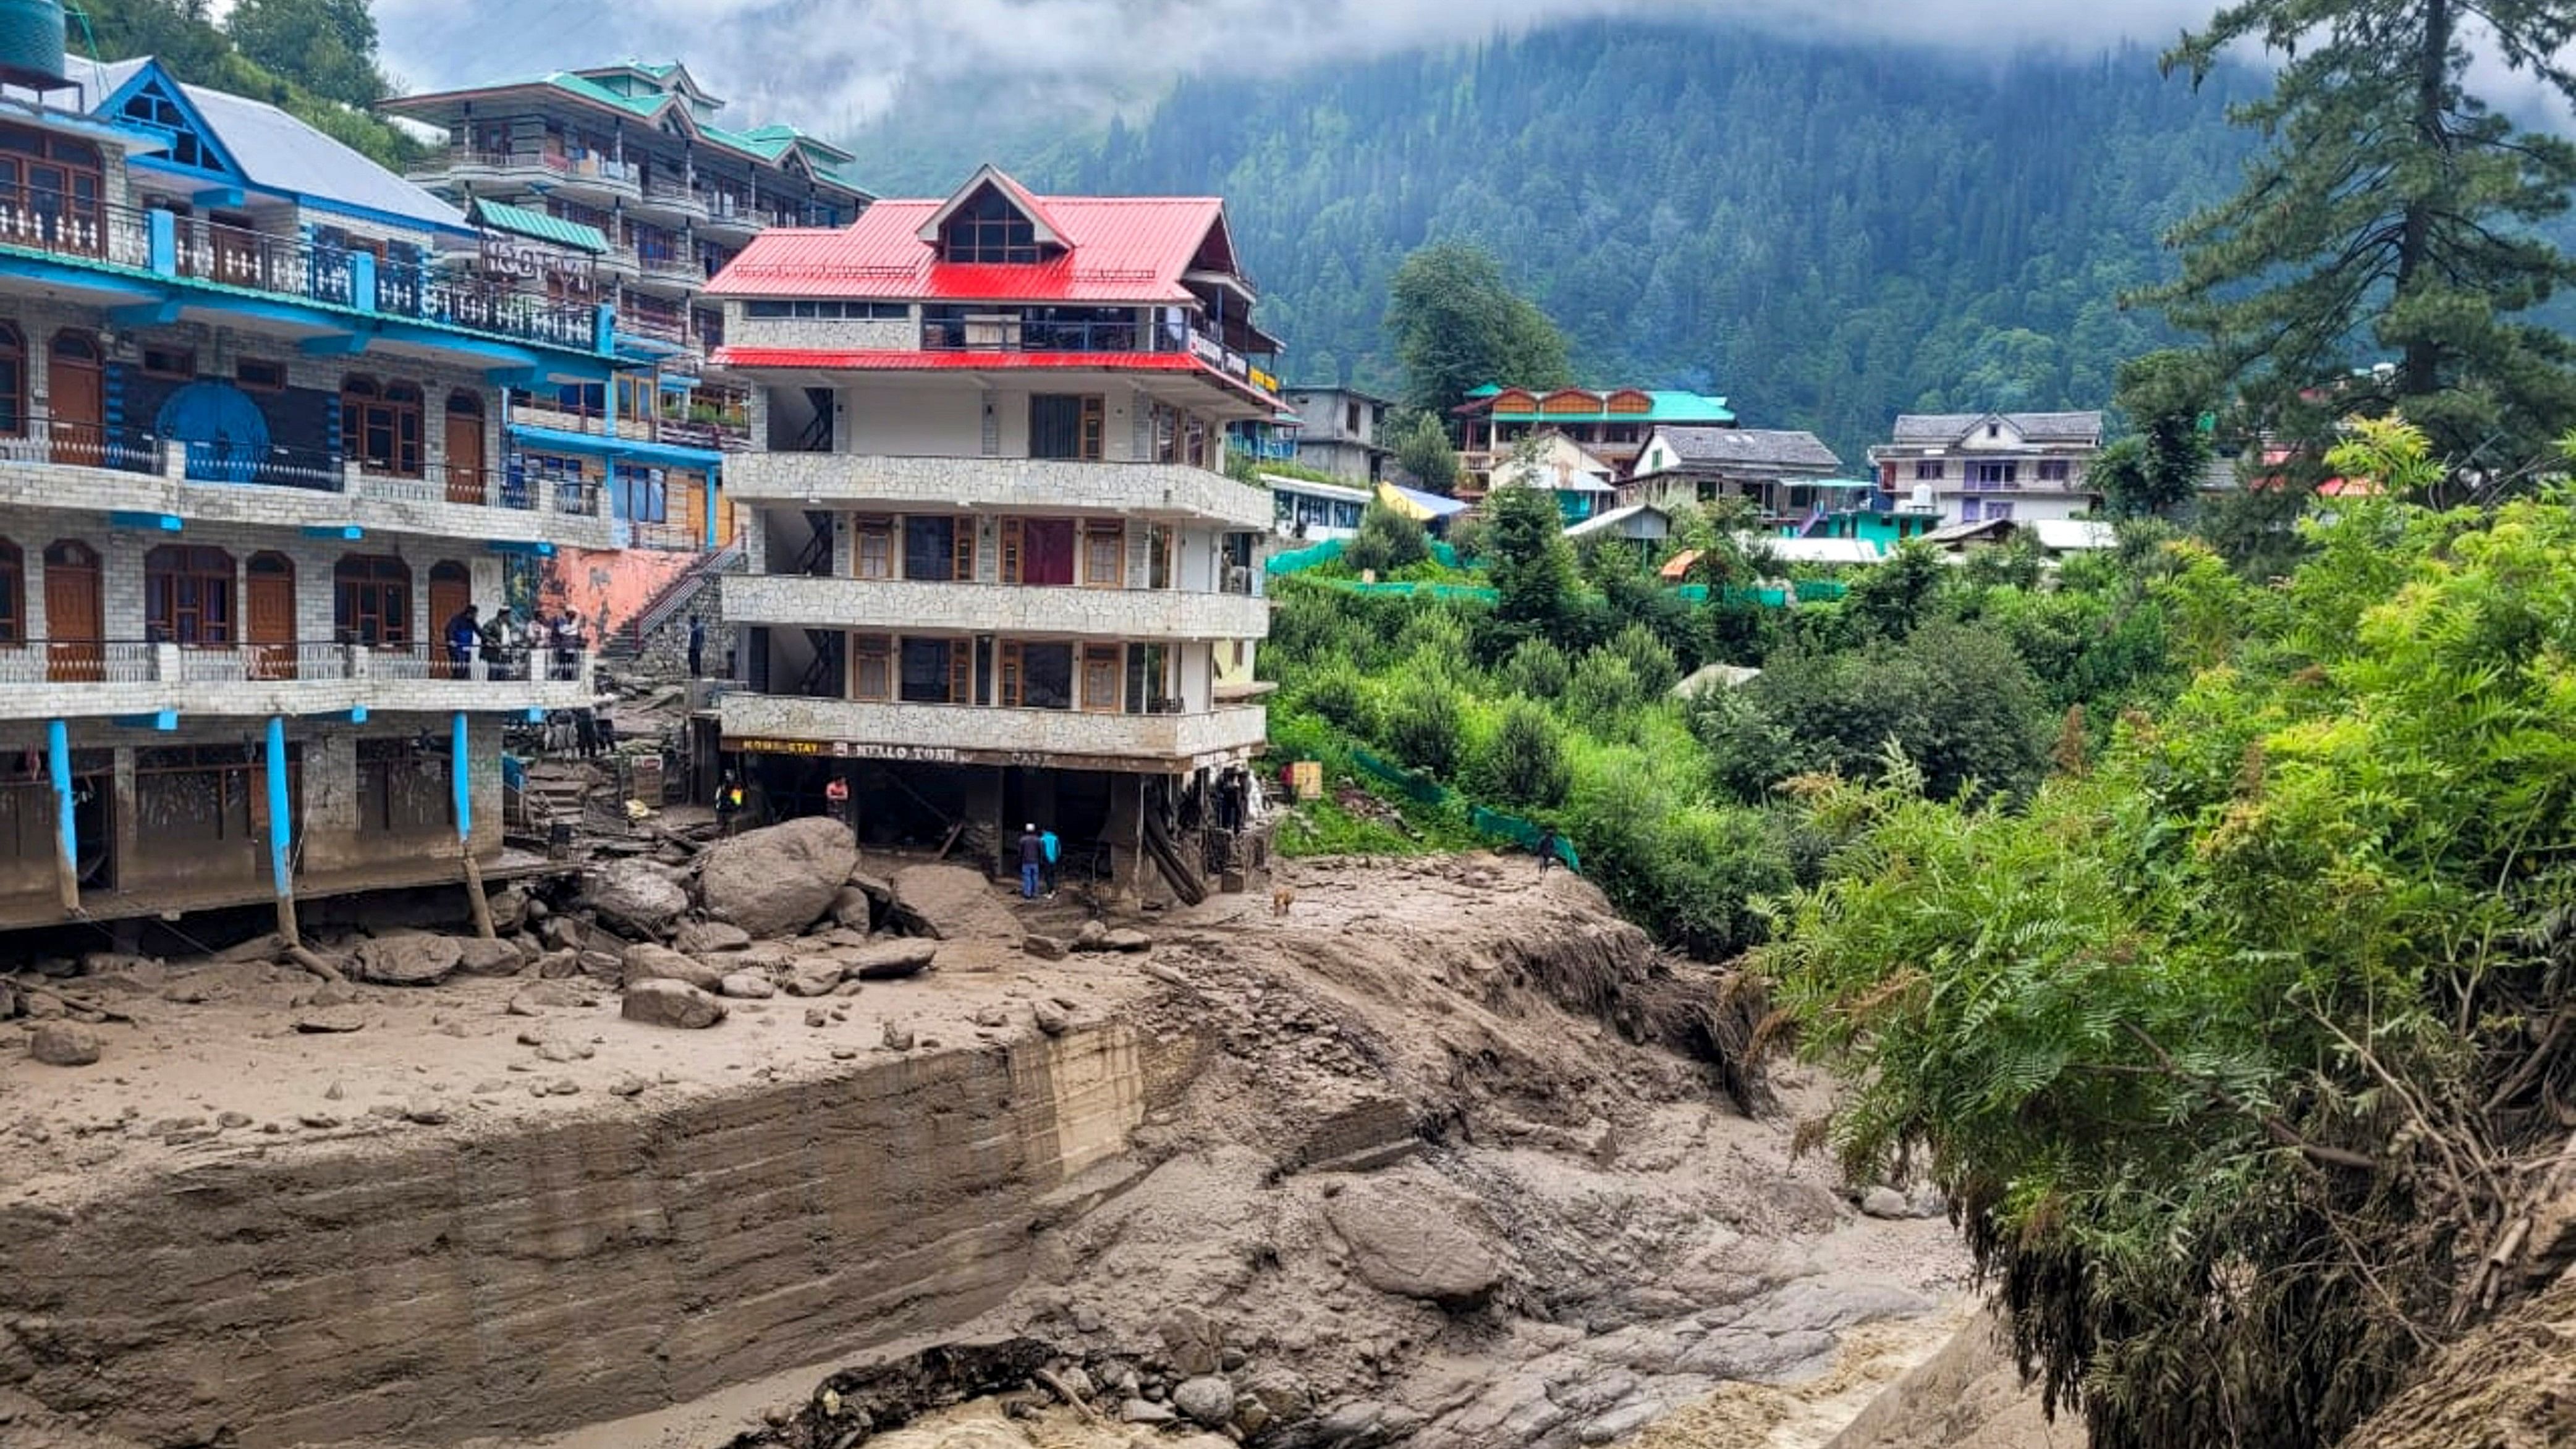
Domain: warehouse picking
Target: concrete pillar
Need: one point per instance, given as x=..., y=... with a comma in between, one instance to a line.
x=461, y=780
x=984, y=800
x=281, y=833
x=1125, y=834
x=58, y=764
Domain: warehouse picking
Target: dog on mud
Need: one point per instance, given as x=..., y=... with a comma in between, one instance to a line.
x=1281, y=898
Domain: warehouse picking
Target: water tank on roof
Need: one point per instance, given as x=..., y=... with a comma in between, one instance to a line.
x=31, y=43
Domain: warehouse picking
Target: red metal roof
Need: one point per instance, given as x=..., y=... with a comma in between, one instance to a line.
x=1126, y=250
x=891, y=360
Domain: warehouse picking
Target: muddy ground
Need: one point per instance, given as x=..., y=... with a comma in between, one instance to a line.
x=1448, y=1163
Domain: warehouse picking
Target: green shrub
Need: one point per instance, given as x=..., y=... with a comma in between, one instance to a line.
x=1649, y=659
x=1537, y=669
x=1522, y=766
x=1387, y=541
x=1337, y=692
x=1603, y=689
x=1422, y=725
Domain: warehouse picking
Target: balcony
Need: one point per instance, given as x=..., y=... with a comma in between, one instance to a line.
x=672, y=200
x=1050, y=611
x=979, y=735
x=1172, y=491
x=124, y=471
x=671, y=271
x=56, y=679
x=730, y=218
x=199, y=257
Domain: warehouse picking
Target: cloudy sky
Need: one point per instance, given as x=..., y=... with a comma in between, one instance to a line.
x=831, y=64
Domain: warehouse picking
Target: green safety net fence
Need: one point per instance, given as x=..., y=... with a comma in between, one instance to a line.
x=1493, y=823
x=1316, y=555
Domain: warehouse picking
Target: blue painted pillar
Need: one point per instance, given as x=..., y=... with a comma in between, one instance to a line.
x=58, y=764
x=281, y=833
x=463, y=781
x=161, y=241
x=603, y=330
x=362, y=281
x=715, y=498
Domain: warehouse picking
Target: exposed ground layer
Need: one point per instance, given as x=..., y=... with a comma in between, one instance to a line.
x=1244, y=1121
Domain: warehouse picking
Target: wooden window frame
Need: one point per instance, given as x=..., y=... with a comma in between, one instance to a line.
x=1115, y=656
x=13, y=381
x=13, y=595
x=362, y=588
x=879, y=649
x=1104, y=528
x=176, y=363
x=393, y=409
x=259, y=374
x=872, y=550
x=191, y=596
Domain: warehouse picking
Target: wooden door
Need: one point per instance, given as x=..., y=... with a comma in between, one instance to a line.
x=450, y=590
x=269, y=621
x=74, y=615
x=465, y=477
x=78, y=402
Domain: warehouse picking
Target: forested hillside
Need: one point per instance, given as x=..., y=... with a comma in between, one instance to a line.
x=1825, y=233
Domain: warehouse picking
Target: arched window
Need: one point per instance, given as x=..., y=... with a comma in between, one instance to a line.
x=13, y=595
x=188, y=596
x=380, y=425
x=371, y=600
x=13, y=382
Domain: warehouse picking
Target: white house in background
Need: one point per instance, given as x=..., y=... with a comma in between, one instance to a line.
x=1313, y=512
x=2075, y=535
x=1984, y=466
x=1582, y=482
x=1777, y=469
x=1639, y=523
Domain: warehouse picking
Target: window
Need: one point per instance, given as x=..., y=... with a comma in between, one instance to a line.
x=1037, y=676
x=1104, y=554
x=255, y=375
x=1066, y=425
x=938, y=549
x=173, y=362
x=639, y=494
x=1930, y=471
x=156, y=109
x=199, y=794
x=1993, y=475
x=831, y=311
x=1998, y=508
x=51, y=182
x=1037, y=550
x=13, y=595
x=402, y=788
x=371, y=600
x=1162, y=555
x=1994, y=430
x=937, y=671
x=1351, y=419
x=380, y=426
x=989, y=229
x=875, y=654
x=188, y=596
x=876, y=545
x=2053, y=470
x=13, y=382
x=1149, y=677
x=1100, y=678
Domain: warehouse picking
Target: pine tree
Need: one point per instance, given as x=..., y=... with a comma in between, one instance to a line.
x=2392, y=215
x=1458, y=325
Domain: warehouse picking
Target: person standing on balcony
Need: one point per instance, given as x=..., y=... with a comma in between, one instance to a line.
x=463, y=632
x=564, y=634
x=697, y=647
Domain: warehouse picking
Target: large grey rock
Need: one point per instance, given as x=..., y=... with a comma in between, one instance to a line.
x=951, y=903
x=889, y=960
x=1412, y=1240
x=708, y=938
x=645, y=961
x=634, y=897
x=852, y=909
x=776, y=881
x=489, y=958
x=407, y=960
x=1621, y=1422
x=747, y=986
x=1885, y=1202
x=1207, y=1399
x=1129, y=940
x=816, y=976
x=671, y=1003
x=63, y=1044
x=509, y=908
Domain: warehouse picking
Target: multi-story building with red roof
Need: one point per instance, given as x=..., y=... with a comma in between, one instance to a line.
x=997, y=576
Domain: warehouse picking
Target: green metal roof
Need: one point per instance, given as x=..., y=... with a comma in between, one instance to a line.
x=538, y=226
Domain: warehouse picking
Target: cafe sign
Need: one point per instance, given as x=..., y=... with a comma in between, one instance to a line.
x=503, y=257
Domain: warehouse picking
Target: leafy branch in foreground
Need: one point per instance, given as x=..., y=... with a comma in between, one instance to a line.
x=2232, y=1052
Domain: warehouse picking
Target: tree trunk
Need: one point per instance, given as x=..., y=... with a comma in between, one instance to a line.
x=2420, y=367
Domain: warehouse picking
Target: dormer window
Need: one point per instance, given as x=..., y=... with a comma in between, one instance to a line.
x=1994, y=430
x=989, y=229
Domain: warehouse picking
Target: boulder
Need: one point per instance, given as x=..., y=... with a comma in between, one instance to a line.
x=509, y=908
x=1092, y=937
x=875, y=888
x=604, y=967
x=1052, y=1019
x=559, y=965
x=1045, y=948
x=896, y=1037
x=489, y=958
x=775, y=881
x=663, y=1002
x=541, y=996
x=1207, y=1399
x=645, y=961
x=634, y=897
x=1415, y=1241
x=709, y=938
x=951, y=903
x=562, y=933
x=63, y=1044
x=889, y=960
x=852, y=910
x=1885, y=1202
x=747, y=986
x=327, y=1020
x=408, y=960
x=1129, y=940
x=813, y=977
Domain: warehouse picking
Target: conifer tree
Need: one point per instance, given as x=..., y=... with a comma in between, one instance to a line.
x=2391, y=217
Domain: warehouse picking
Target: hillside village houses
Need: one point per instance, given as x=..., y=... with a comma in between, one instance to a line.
x=996, y=575
x=1777, y=470
x=1340, y=431
x=252, y=463
x=1610, y=424
x=1983, y=467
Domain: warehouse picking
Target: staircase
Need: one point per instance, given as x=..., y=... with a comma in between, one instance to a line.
x=674, y=599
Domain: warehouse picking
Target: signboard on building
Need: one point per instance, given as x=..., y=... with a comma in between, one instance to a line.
x=565, y=275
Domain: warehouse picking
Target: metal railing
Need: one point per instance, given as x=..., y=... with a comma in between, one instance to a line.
x=291, y=266
x=79, y=661
x=440, y=483
x=85, y=445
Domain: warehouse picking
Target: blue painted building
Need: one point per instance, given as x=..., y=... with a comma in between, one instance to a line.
x=252, y=464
